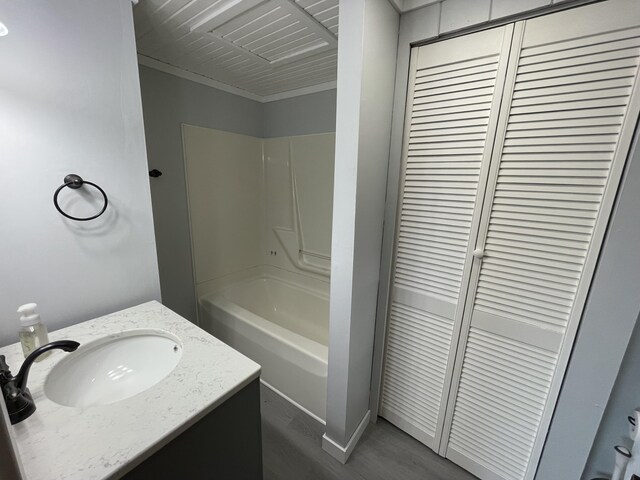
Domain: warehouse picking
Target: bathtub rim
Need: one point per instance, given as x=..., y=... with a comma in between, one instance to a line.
x=300, y=343
x=272, y=276
x=305, y=280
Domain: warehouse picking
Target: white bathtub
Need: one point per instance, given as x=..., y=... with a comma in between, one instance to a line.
x=282, y=326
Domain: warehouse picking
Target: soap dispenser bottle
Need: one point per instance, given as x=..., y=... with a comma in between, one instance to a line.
x=33, y=333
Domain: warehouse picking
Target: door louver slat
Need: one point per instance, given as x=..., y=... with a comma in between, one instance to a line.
x=515, y=141
x=449, y=120
x=563, y=124
x=496, y=448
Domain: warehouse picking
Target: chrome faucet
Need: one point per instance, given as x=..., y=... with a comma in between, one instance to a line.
x=17, y=397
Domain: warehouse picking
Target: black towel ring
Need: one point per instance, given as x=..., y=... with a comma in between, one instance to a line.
x=74, y=182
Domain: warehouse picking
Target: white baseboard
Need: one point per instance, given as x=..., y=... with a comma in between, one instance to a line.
x=293, y=402
x=339, y=452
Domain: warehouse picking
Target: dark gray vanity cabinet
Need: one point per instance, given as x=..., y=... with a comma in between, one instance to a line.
x=225, y=444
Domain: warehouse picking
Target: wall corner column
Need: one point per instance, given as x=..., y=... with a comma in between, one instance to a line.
x=366, y=74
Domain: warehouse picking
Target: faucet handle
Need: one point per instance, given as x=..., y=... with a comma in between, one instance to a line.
x=4, y=368
x=17, y=397
x=19, y=402
x=5, y=372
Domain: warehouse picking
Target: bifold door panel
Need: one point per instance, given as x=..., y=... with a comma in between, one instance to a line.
x=567, y=111
x=565, y=131
x=450, y=128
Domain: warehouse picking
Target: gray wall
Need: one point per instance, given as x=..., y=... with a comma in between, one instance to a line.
x=70, y=103
x=624, y=398
x=303, y=115
x=168, y=101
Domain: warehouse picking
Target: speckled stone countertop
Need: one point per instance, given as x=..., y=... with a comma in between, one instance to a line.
x=106, y=441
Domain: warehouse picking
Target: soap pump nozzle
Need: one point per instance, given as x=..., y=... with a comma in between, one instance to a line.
x=33, y=333
x=29, y=314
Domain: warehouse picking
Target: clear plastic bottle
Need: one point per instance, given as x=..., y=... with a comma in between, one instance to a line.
x=33, y=333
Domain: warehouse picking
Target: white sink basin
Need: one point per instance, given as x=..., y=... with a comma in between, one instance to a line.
x=113, y=368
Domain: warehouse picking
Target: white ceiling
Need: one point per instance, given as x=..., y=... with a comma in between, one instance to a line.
x=263, y=47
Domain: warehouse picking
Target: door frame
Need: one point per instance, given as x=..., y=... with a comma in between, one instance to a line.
x=415, y=36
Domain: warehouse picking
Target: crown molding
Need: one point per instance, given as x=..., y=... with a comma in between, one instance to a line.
x=403, y=6
x=321, y=87
x=209, y=82
x=195, y=77
x=397, y=4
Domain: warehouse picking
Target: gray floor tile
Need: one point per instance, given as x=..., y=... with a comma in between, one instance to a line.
x=292, y=450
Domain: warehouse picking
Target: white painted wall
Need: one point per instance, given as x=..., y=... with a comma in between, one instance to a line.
x=366, y=74
x=70, y=100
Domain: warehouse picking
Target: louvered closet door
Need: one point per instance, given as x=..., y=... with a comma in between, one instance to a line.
x=452, y=111
x=569, y=110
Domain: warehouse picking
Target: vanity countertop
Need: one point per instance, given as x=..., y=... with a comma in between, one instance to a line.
x=106, y=441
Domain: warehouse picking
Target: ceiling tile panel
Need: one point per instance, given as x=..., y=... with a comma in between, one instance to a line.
x=261, y=46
